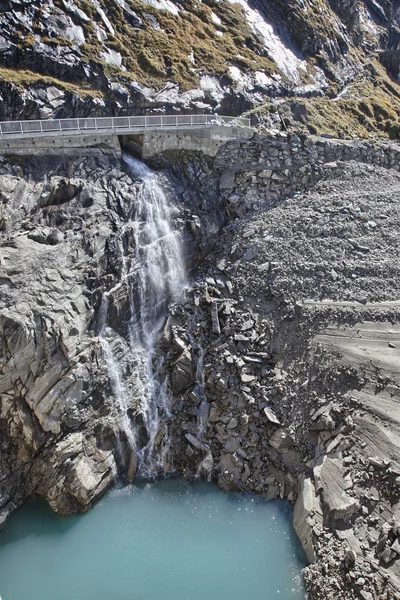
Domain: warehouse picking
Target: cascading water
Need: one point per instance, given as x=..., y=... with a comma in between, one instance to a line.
x=154, y=276
x=116, y=378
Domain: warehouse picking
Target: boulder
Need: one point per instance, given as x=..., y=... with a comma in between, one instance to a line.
x=329, y=478
x=307, y=516
x=181, y=374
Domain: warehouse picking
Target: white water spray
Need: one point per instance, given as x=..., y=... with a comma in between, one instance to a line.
x=154, y=276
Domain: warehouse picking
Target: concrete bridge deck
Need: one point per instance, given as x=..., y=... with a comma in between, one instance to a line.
x=145, y=136
x=114, y=125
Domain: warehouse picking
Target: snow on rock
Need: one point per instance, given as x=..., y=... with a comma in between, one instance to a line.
x=111, y=57
x=286, y=58
x=246, y=81
x=252, y=84
x=215, y=19
x=212, y=88
x=171, y=94
x=262, y=80
x=164, y=5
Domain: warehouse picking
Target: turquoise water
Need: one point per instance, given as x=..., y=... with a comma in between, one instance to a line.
x=167, y=540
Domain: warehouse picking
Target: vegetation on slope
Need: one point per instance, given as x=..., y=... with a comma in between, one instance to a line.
x=177, y=48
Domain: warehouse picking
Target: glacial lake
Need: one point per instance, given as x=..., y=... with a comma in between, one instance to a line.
x=168, y=540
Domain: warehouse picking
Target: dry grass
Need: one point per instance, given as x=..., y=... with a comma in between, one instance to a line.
x=154, y=56
x=23, y=78
x=370, y=108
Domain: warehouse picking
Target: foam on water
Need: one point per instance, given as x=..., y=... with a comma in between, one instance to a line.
x=168, y=540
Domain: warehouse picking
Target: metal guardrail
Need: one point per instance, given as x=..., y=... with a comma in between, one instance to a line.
x=91, y=124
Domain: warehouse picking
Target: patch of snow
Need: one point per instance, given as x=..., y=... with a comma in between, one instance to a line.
x=170, y=94
x=287, y=59
x=191, y=58
x=215, y=19
x=212, y=87
x=219, y=33
x=111, y=57
x=99, y=102
x=262, y=80
x=244, y=84
x=200, y=105
x=164, y=5
x=236, y=73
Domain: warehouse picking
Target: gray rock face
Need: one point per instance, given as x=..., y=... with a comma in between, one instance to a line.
x=282, y=362
x=303, y=372
x=77, y=42
x=308, y=518
x=330, y=482
x=60, y=243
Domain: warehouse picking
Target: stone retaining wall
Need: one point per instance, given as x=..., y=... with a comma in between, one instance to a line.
x=254, y=171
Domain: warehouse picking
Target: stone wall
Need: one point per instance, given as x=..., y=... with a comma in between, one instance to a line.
x=254, y=171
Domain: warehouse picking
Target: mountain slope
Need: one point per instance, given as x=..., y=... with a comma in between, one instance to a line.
x=79, y=57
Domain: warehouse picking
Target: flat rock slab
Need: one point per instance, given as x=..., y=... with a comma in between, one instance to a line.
x=329, y=477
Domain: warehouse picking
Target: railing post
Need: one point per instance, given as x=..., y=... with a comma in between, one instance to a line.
x=41, y=126
x=1, y=129
x=191, y=120
x=145, y=121
x=20, y=124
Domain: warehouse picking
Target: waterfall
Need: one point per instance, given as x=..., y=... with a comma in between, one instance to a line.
x=116, y=377
x=154, y=277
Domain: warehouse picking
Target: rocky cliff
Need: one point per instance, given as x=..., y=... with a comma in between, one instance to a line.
x=63, y=242
x=279, y=365
x=281, y=361
x=294, y=321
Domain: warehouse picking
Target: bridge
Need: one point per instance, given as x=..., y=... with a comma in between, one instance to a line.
x=147, y=135
x=118, y=125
